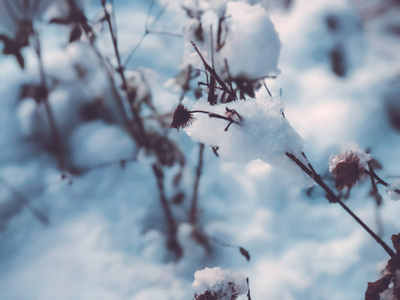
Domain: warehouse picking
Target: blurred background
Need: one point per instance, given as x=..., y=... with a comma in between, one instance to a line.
x=87, y=213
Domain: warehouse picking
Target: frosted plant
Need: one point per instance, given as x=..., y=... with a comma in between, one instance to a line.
x=348, y=167
x=218, y=284
x=393, y=191
x=249, y=53
x=388, y=287
x=236, y=59
x=263, y=134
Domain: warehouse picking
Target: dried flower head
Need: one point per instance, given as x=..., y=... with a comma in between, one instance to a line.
x=229, y=294
x=182, y=117
x=348, y=167
x=218, y=284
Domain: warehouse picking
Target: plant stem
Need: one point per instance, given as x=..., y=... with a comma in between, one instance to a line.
x=41, y=217
x=141, y=138
x=213, y=115
x=173, y=243
x=193, y=209
x=55, y=135
x=331, y=196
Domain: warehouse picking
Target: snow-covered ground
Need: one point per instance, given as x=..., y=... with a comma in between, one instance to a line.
x=339, y=71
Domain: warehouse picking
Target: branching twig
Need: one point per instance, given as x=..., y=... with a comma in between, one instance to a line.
x=214, y=74
x=141, y=136
x=142, y=139
x=331, y=196
x=41, y=217
x=148, y=31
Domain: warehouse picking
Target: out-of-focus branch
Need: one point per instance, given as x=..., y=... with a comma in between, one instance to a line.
x=195, y=196
x=55, y=134
x=24, y=201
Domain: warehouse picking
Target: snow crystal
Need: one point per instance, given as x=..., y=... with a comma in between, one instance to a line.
x=216, y=280
x=264, y=134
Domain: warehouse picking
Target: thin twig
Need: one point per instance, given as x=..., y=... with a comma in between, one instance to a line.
x=378, y=201
x=331, y=196
x=173, y=243
x=213, y=73
x=55, y=135
x=148, y=31
x=193, y=208
x=142, y=140
x=141, y=136
x=267, y=89
x=41, y=217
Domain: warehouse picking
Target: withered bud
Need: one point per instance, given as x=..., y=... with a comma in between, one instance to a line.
x=182, y=117
x=347, y=171
x=396, y=241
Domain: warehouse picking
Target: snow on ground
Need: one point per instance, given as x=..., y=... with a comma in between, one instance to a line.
x=106, y=233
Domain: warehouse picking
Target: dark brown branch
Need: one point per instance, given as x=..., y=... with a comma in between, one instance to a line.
x=54, y=132
x=142, y=140
x=173, y=243
x=214, y=74
x=379, y=180
x=193, y=208
x=141, y=137
x=331, y=196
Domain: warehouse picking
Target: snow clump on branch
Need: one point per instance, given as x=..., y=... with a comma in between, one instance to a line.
x=263, y=134
x=248, y=52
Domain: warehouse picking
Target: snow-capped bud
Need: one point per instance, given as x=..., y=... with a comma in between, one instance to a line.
x=217, y=284
x=348, y=167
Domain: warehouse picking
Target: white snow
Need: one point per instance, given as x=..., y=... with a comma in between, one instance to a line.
x=263, y=134
x=107, y=232
x=392, y=193
x=98, y=143
x=249, y=53
x=220, y=282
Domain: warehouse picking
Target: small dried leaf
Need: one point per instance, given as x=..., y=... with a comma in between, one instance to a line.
x=215, y=150
x=75, y=34
x=122, y=163
x=396, y=241
x=376, y=288
x=178, y=198
x=245, y=253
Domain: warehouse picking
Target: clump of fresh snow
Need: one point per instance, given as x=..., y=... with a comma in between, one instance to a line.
x=249, y=53
x=96, y=143
x=363, y=158
x=263, y=134
x=391, y=190
x=219, y=282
